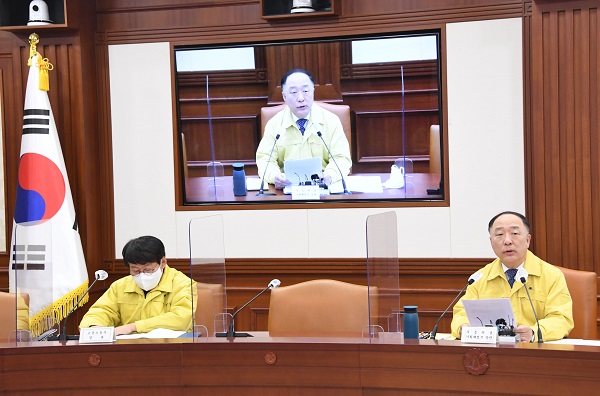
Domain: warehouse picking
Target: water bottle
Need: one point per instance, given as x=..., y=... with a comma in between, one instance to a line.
x=411, y=322
x=239, y=180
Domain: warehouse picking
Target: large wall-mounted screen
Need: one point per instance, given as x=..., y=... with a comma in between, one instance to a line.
x=386, y=90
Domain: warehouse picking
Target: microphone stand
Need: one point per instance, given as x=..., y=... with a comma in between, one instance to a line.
x=261, y=191
x=63, y=335
x=231, y=333
x=346, y=192
x=435, y=328
x=539, y=331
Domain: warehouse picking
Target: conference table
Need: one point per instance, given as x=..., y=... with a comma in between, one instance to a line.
x=264, y=365
x=209, y=190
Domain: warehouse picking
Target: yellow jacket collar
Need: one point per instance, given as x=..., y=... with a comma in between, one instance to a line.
x=533, y=266
x=315, y=116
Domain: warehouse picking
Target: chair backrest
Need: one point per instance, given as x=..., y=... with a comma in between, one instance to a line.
x=435, y=163
x=209, y=303
x=320, y=308
x=583, y=288
x=342, y=111
x=9, y=314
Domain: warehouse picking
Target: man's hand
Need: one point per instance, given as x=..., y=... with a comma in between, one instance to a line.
x=327, y=180
x=525, y=332
x=126, y=329
x=280, y=181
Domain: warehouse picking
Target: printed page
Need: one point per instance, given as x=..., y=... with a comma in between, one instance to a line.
x=488, y=312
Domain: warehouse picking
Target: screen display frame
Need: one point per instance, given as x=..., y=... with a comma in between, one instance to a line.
x=431, y=193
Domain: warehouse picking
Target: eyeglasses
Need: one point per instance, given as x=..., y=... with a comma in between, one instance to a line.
x=147, y=271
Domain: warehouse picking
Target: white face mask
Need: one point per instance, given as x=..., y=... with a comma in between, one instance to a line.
x=148, y=282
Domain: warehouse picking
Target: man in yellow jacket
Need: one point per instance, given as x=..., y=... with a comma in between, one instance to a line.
x=510, y=237
x=152, y=296
x=290, y=140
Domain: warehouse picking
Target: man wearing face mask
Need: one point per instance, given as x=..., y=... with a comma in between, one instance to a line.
x=153, y=296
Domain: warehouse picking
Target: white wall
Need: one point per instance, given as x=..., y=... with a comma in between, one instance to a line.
x=485, y=127
x=485, y=124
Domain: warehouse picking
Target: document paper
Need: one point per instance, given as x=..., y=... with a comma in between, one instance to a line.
x=300, y=171
x=358, y=184
x=489, y=312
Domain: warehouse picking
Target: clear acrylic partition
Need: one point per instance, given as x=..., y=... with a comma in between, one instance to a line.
x=207, y=269
x=407, y=165
x=382, y=275
x=31, y=285
x=215, y=176
x=215, y=170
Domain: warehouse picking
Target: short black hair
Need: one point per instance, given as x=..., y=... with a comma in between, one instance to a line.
x=296, y=70
x=143, y=250
x=519, y=215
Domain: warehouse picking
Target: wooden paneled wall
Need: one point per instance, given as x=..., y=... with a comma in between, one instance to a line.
x=563, y=146
x=561, y=66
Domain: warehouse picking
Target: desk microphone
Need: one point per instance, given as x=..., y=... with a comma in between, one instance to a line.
x=261, y=191
x=99, y=275
x=472, y=279
x=346, y=192
x=522, y=275
x=274, y=284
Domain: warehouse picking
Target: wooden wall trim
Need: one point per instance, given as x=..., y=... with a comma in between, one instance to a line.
x=128, y=22
x=335, y=268
x=112, y=6
x=320, y=267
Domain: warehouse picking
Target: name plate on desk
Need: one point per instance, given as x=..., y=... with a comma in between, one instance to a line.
x=479, y=335
x=306, y=192
x=97, y=335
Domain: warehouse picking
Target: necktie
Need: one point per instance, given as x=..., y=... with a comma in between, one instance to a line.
x=510, y=275
x=301, y=124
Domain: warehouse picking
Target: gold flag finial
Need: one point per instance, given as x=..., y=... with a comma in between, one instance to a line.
x=43, y=64
x=34, y=39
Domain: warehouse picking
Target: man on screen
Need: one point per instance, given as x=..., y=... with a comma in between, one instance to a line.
x=510, y=237
x=153, y=296
x=297, y=126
